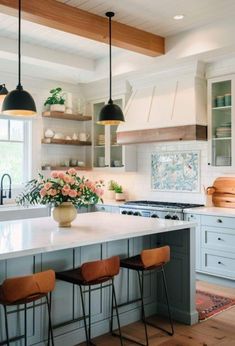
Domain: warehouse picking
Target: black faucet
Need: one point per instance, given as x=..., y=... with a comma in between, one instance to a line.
x=2, y=195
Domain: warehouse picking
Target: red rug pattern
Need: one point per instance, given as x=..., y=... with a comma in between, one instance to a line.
x=208, y=304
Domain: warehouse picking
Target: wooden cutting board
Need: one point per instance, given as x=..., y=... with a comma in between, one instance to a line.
x=224, y=195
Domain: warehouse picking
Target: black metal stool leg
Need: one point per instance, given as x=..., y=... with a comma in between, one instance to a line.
x=89, y=316
x=50, y=329
x=84, y=316
x=114, y=299
x=6, y=325
x=167, y=300
x=25, y=324
x=141, y=284
x=112, y=307
x=168, y=307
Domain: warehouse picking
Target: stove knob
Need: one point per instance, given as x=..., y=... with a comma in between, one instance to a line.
x=155, y=216
x=124, y=212
x=168, y=217
x=137, y=213
x=130, y=213
x=175, y=217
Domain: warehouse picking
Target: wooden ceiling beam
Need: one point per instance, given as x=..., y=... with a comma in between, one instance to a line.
x=66, y=18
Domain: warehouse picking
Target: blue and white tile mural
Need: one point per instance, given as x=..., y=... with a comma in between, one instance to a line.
x=176, y=171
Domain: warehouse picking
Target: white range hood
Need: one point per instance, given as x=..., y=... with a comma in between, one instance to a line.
x=171, y=108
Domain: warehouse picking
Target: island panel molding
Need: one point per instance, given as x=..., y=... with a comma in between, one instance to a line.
x=73, y=20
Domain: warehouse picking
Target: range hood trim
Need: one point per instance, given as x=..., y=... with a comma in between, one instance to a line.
x=166, y=134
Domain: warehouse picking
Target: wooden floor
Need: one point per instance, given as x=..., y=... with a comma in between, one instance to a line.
x=218, y=330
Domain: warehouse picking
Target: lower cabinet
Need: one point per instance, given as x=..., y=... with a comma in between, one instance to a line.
x=215, y=245
x=107, y=208
x=196, y=218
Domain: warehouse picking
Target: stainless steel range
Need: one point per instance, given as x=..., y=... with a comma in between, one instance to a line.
x=155, y=209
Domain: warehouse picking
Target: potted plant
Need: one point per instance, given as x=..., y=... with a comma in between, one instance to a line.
x=65, y=191
x=111, y=189
x=119, y=194
x=56, y=101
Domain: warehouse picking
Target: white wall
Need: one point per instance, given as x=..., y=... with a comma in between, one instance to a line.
x=138, y=185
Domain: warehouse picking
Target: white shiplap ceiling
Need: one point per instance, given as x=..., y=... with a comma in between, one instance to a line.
x=39, y=35
x=156, y=16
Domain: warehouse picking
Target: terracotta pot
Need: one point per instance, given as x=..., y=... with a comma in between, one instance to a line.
x=57, y=108
x=120, y=196
x=64, y=214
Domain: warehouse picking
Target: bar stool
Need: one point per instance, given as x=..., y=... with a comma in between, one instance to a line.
x=24, y=290
x=91, y=274
x=152, y=259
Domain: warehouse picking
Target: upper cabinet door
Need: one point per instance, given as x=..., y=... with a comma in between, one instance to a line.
x=221, y=122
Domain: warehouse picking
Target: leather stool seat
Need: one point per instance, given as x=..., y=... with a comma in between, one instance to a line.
x=24, y=290
x=90, y=274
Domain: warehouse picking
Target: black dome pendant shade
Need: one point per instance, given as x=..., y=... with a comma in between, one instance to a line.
x=3, y=92
x=19, y=102
x=110, y=114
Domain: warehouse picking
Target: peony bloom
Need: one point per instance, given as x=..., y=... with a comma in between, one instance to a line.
x=72, y=171
x=52, y=192
x=47, y=186
x=43, y=192
x=88, y=184
x=72, y=193
x=99, y=192
x=72, y=180
x=61, y=175
x=66, y=188
x=67, y=178
x=54, y=174
x=65, y=192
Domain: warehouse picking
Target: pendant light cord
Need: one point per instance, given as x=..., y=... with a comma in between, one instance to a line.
x=110, y=60
x=19, y=46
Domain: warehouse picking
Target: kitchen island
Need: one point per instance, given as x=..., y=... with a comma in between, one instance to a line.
x=28, y=246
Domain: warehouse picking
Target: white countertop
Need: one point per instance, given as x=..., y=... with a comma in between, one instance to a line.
x=230, y=212
x=33, y=236
x=12, y=207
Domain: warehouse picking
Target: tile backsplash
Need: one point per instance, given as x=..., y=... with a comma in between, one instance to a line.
x=138, y=184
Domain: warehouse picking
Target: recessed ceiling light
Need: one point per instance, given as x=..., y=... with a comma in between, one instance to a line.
x=178, y=16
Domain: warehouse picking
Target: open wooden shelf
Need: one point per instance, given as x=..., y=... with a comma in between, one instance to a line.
x=63, y=168
x=66, y=116
x=66, y=142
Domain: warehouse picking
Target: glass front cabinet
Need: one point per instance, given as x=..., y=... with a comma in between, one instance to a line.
x=221, y=122
x=107, y=154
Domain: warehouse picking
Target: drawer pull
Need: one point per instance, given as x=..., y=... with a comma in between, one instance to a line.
x=219, y=221
x=219, y=262
x=219, y=238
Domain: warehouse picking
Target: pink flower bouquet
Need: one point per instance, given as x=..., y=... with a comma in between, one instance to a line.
x=62, y=187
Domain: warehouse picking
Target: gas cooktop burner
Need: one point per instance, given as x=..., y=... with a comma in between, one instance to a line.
x=162, y=204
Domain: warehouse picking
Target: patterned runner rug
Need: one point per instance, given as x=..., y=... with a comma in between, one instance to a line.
x=209, y=304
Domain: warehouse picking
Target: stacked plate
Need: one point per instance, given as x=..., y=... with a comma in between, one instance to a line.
x=222, y=132
x=223, y=161
x=101, y=140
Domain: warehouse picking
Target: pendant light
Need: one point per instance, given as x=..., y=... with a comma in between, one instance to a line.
x=110, y=114
x=3, y=92
x=19, y=102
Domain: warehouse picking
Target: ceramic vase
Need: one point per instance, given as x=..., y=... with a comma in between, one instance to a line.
x=64, y=214
x=57, y=108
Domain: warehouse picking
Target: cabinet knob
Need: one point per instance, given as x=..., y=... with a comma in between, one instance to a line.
x=219, y=262
x=219, y=238
x=219, y=221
